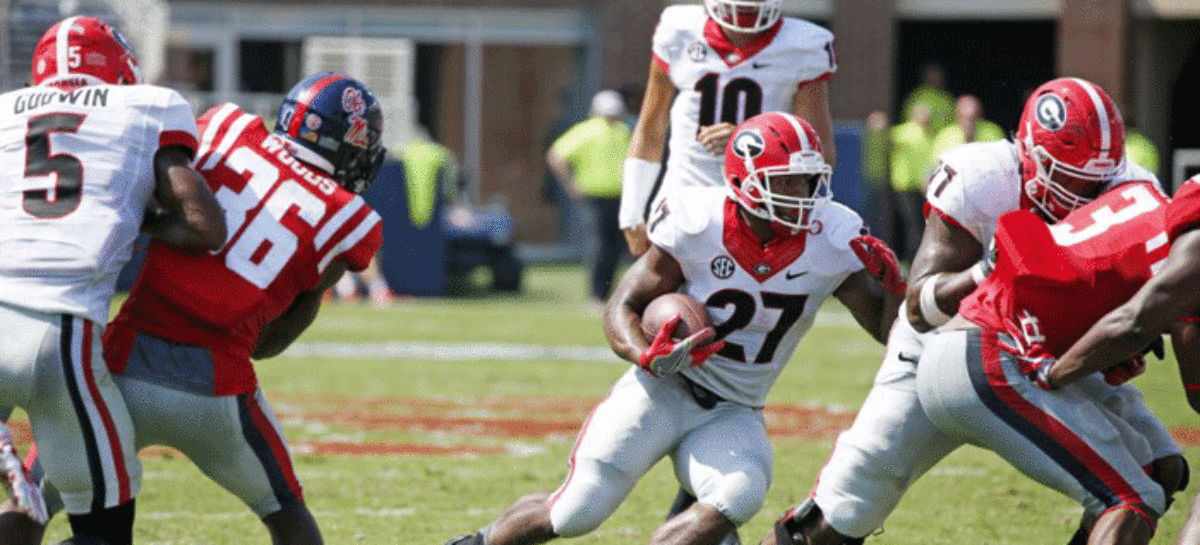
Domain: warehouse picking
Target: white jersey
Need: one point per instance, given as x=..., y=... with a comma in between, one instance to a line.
x=76, y=172
x=977, y=183
x=761, y=301
x=719, y=82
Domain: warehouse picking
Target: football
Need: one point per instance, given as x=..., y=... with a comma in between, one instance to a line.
x=694, y=316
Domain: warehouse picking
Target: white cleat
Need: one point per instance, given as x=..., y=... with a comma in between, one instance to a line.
x=21, y=487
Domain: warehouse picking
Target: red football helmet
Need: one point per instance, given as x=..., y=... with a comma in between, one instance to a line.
x=744, y=15
x=763, y=150
x=1071, y=143
x=84, y=51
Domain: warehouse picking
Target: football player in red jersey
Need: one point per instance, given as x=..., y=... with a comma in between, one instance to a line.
x=1169, y=301
x=712, y=67
x=1068, y=148
x=88, y=156
x=181, y=349
x=983, y=378
x=761, y=254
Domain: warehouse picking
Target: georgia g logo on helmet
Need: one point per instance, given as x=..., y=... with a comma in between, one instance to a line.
x=1051, y=112
x=748, y=144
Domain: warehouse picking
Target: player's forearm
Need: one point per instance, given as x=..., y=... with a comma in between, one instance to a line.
x=892, y=303
x=276, y=336
x=1115, y=338
x=622, y=329
x=934, y=299
x=188, y=213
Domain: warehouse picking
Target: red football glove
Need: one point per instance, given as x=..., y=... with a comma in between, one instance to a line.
x=665, y=357
x=1125, y=371
x=880, y=262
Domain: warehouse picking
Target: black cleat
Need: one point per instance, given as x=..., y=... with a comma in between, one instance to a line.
x=467, y=539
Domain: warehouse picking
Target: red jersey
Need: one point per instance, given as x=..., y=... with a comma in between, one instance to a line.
x=286, y=223
x=1052, y=282
x=1184, y=212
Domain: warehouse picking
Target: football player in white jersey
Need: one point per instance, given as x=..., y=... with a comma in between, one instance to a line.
x=1069, y=148
x=88, y=157
x=761, y=254
x=712, y=67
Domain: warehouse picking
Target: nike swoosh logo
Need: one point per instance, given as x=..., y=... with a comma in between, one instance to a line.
x=791, y=276
x=908, y=358
x=757, y=65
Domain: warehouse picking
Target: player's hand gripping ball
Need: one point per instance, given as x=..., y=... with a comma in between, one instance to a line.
x=679, y=332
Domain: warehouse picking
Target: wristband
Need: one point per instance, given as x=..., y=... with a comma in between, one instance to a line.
x=929, y=307
x=637, y=183
x=978, y=274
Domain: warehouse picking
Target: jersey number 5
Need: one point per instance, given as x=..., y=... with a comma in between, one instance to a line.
x=68, y=184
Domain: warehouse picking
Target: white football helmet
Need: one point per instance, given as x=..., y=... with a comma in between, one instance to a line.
x=744, y=15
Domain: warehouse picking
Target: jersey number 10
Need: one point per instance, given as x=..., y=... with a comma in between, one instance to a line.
x=739, y=90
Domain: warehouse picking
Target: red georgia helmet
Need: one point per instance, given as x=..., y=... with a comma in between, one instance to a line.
x=84, y=51
x=770, y=145
x=1071, y=143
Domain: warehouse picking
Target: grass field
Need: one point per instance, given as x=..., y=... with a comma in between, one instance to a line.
x=425, y=420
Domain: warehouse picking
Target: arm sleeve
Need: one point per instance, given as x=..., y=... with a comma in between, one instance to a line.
x=818, y=60
x=354, y=235
x=844, y=225
x=178, y=123
x=663, y=45
x=1184, y=211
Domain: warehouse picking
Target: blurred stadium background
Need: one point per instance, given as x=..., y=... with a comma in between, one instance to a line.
x=497, y=80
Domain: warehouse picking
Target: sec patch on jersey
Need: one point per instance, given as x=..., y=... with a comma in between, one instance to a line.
x=693, y=315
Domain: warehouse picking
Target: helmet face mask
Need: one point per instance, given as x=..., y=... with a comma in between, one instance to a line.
x=744, y=15
x=337, y=123
x=775, y=170
x=84, y=51
x=1070, y=143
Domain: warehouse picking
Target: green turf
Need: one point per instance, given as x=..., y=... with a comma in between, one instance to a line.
x=971, y=497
